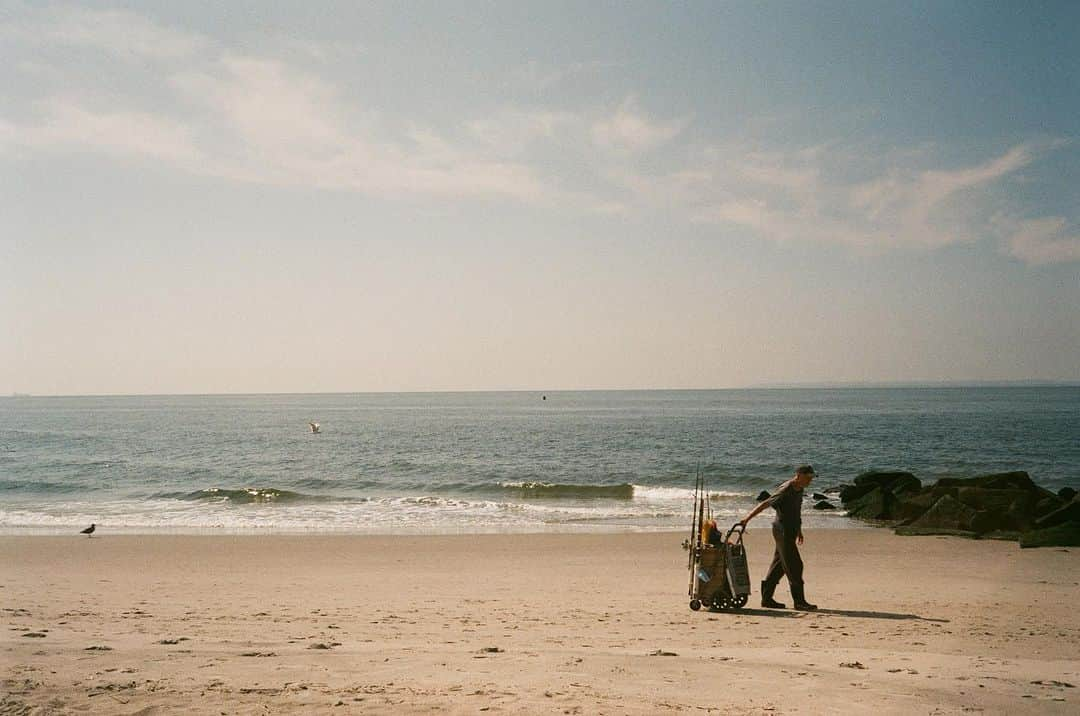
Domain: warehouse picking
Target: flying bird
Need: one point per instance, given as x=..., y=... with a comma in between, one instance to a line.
x=89, y=530
x=314, y=427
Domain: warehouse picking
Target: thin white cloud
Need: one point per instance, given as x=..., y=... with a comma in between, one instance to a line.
x=680, y=190
x=800, y=196
x=120, y=33
x=1042, y=241
x=630, y=130
x=245, y=118
x=773, y=170
x=68, y=125
x=935, y=187
x=266, y=104
x=512, y=133
x=538, y=77
x=258, y=120
x=293, y=128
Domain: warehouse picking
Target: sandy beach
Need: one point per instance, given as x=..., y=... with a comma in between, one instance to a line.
x=584, y=624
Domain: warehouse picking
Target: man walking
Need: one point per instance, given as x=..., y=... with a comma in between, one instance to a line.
x=787, y=531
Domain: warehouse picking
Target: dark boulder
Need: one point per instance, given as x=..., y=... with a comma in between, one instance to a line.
x=1046, y=505
x=994, y=514
x=942, y=490
x=1069, y=513
x=982, y=498
x=998, y=510
x=874, y=505
x=990, y=521
x=892, y=483
x=1021, y=515
x=947, y=513
x=1004, y=505
x=819, y=496
x=895, y=481
x=1041, y=492
x=1065, y=534
x=1018, y=480
x=1066, y=493
x=853, y=492
x=824, y=505
x=910, y=507
x=763, y=495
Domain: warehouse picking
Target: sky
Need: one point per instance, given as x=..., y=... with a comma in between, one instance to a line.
x=241, y=197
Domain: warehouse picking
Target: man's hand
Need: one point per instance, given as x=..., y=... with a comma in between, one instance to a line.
x=799, y=539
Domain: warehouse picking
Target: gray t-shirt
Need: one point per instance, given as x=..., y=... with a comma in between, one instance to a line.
x=788, y=505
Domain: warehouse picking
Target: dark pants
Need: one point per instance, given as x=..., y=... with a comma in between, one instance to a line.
x=786, y=559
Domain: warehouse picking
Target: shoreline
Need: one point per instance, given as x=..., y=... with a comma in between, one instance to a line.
x=394, y=515
x=542, y=623
x=838, y=523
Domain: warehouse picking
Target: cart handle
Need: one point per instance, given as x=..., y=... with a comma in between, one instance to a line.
x=738, y=526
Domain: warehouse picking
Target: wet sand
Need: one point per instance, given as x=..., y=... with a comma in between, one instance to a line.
x=556, y=624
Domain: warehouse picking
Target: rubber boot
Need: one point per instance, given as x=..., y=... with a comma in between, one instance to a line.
x=799, y=595
x=767, y=600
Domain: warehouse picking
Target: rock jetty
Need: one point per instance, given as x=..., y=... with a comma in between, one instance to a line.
x=1007, y=505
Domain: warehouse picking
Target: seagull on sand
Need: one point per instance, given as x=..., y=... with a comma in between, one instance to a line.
x=89, y=530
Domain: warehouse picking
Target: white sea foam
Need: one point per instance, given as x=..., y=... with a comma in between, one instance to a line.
x=646, y=492
x=386, y=514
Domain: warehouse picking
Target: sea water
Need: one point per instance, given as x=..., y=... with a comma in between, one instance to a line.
x=497, y=462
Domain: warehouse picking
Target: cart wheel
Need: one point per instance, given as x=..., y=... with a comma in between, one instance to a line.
x=695, y=604
x=740, y=601
x=722, y=599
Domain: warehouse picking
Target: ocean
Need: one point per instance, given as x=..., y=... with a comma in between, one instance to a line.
x=496, y=462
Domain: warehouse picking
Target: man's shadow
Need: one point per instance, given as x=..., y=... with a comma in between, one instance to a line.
x=862, y=614
x=751, y=612
x=849, y=613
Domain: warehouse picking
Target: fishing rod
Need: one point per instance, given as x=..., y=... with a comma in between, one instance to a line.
x=708, y=503
x=694, y=543
x=693, y=523
x=701, y=509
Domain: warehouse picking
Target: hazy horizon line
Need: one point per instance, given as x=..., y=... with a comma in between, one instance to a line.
x=810, y=385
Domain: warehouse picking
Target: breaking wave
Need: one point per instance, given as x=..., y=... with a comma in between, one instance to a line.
x=622, y=491
x=252, y=495
x=548, y=491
